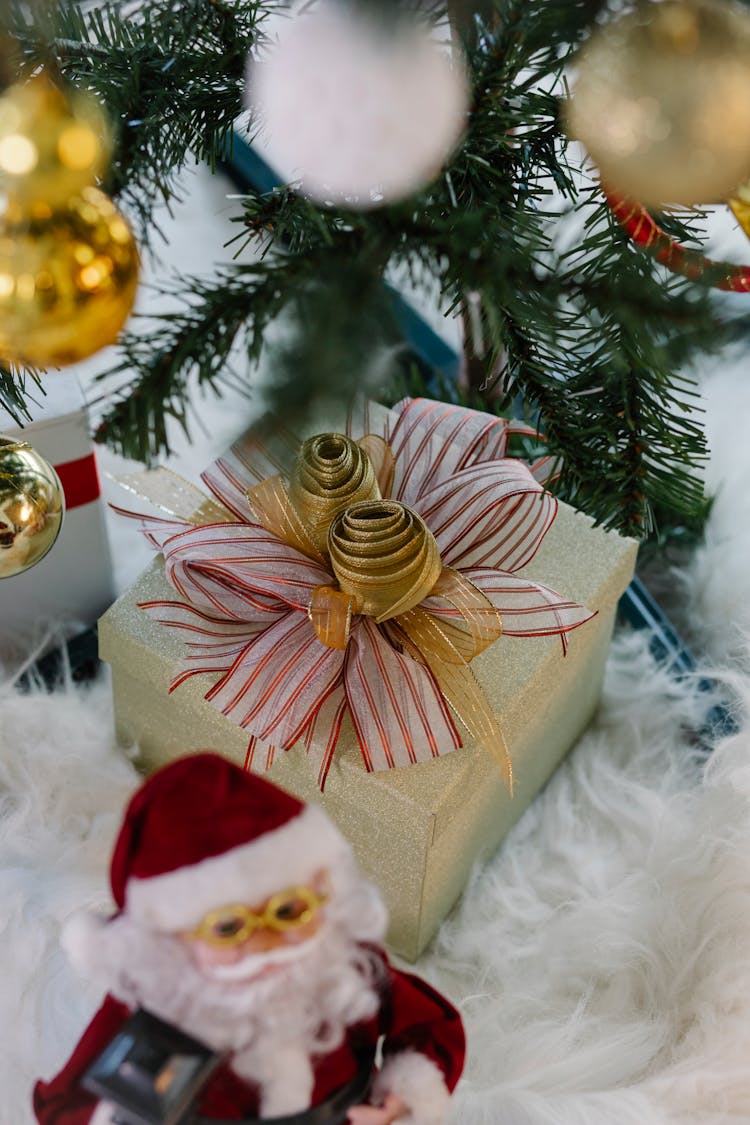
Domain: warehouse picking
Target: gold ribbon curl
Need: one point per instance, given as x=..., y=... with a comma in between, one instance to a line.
x=385, y=556
x=330, y=473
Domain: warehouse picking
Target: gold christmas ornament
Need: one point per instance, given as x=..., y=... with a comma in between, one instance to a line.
x=51, y=146
x=68, y=260
x=32, y=504
x=68, y=279
x=662, y=101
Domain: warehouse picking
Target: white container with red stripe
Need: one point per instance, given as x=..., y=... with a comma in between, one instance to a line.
x=73, y=584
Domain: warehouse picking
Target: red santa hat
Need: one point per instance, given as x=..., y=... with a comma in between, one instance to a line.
x=202, y=833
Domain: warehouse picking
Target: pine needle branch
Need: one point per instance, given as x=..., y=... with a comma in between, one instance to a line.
x=171, y=75
x=591, y=339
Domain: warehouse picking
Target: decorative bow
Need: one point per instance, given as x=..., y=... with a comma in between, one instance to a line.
x=364, y=580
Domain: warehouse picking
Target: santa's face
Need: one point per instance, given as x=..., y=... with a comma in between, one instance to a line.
x=302, y=983
x=244, y=942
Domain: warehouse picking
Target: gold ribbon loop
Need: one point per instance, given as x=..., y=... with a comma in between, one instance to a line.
x=382, y=460
x=175, y=496
x=271, y=508
x=425, y=635
x=331, y=472
x=477, y=623
x=331, y=614
x=385, y=556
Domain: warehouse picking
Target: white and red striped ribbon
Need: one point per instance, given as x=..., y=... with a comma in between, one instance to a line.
x=246, y=593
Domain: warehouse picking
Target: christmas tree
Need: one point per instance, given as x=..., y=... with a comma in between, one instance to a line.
x=584, y=334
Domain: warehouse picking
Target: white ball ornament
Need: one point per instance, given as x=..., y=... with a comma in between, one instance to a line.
x=356, y=113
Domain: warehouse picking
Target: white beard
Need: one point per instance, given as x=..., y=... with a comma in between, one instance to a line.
x=271, y=1026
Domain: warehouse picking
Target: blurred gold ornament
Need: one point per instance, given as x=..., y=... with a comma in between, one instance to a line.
x=68, y=260
x=68, y=279
x=32, y=504
x=51, y=145
x=385, y=556
x=662, y=101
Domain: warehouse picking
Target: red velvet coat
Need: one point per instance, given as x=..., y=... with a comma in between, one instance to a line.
x=413, y=1017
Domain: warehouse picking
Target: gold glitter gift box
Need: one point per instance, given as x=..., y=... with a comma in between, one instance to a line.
x=417, y=830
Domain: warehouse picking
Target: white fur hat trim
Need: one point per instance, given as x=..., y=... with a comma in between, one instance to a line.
x=249, y=873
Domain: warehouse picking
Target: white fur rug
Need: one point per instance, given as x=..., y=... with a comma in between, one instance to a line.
x=602, y=960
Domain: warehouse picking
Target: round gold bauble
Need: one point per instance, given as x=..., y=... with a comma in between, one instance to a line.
x=32, y=504
x=52, y=145
x=662, y=101
x=68, y=280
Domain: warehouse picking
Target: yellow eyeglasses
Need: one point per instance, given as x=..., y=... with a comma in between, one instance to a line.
x=232, y=925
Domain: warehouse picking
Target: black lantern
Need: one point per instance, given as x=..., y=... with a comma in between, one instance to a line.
x=151, y=1073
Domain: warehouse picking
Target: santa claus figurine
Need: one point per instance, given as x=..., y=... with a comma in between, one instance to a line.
x=244, y=922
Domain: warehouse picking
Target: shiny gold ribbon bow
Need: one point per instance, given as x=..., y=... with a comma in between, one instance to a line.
x=386, y=563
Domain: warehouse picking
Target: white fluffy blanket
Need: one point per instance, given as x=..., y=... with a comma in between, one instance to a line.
x=602, y=960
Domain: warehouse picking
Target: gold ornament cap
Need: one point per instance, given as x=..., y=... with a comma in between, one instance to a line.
x=385, y=556
x=739, y=203
x=32, y=504
x=68, y=280
x=662, y=101
x=52, y=145
x=331, y=472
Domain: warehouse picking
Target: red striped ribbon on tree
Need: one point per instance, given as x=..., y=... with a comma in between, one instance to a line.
x=646, y=233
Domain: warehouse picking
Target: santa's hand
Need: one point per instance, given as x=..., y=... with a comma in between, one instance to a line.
x=391, y=1109
x=104, y=1114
